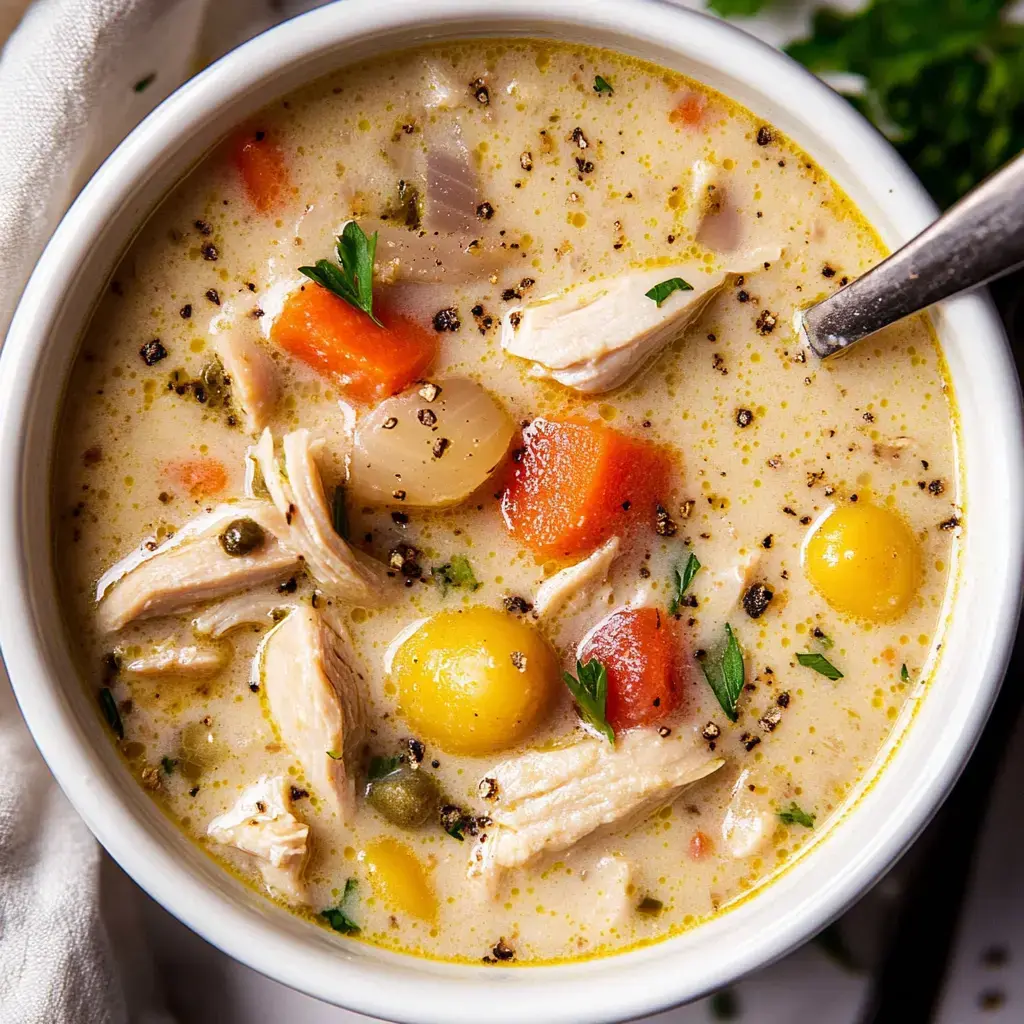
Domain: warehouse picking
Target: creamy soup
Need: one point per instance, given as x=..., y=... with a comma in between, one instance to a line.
x=523, y=588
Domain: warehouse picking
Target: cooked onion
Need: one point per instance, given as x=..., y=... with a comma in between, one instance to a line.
x=412, y=450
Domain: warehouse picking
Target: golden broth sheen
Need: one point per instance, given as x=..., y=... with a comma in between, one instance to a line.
x=876, y=426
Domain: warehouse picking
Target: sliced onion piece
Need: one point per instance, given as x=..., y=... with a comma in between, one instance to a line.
x=429, y=450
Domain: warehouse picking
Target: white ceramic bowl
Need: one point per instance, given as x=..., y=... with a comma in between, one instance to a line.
x=879, y=821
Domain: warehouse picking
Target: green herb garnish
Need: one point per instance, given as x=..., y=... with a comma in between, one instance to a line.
x=352, y=280
x=336, y=916
x=650, y=905
x=820, y=664
x=725, y=674
x=339, y=512
x=381, y=766
x=589, y=688
x=660, y=292
x=456, y=572
x=144, y=83
x=602, y=85
x=681, y=580
x=794, y=815
x=110, y=712
x=334, y=755
x=904, y=674
x=169, y=763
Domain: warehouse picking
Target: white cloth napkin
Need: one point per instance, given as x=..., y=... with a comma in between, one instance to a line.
x=75, y=77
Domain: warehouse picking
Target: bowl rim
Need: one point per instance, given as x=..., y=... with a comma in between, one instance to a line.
x=404, y=988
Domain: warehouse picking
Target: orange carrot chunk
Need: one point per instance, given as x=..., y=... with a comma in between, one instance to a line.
x=641, y=651
x=200, y=477
x=261, y=165
x=688, y=111
x=366, y=361
x=579, y=482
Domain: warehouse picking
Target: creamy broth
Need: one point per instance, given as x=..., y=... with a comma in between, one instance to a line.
x=586, y=166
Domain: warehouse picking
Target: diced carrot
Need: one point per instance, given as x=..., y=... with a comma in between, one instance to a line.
x=368, y=362
x=261, y=165
x=641, y=651
x=688, y=111
x=700, y=845
x=579, y=482
x=200, y=477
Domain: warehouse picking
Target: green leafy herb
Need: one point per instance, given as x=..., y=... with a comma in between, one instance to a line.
x=352, y=280
x=589, y=688
x=336, y=916
x=904, y=674
x=793, y=815
x=725, y=674
x=169, y=764
x=820, y=664
x=681, y=580
x=456, y=572
x=334, y=755
x=381, y=766
x=602, y=85
x=943, y=79
x=660, y=292
x=144, y=83
x=650, y=905
x=110, y=712
x=339, y=512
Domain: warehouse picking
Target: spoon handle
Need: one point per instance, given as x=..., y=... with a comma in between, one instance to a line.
x=978, y=239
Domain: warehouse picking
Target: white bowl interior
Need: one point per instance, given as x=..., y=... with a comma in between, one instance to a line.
x=882, y=817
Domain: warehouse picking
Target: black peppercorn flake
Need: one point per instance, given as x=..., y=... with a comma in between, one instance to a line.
x=478, y=87
x=186, y=311
x=399, y=518
x=664, y=524
x=485, y=211
x=203, y=227
x=447, y=319
x=210, y=252
x=744, y=417
x=152, y=352
x=441, y=445
x=517, y=605
x=765, y=136
x=766, y=322
x=427, y=417
x=756, y=600
x=827, y=271
x=503, y=951
x=214, y=296
x=711, y=731
x=936, y=487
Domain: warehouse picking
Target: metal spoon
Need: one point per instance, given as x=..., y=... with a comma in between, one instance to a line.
x=973, y=242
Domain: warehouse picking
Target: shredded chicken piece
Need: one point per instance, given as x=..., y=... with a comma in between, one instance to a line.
x=546, y=801
x=574, y=580
x=262, y=824
x=190, y=662
x=298, y=493
x=307, y=669
x=593, y=337
x=254, y=384
x=719, y=592
x=192, y=567
x=745, y=825
x=255, y=608
x=610, y=900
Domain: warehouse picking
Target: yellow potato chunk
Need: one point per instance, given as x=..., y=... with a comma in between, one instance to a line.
x=474, y=680
x=865, y=561
x=399, y=879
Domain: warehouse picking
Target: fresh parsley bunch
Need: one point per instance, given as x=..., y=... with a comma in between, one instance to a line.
x=942, y=79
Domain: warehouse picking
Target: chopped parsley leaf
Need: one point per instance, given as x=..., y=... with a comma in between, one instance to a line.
x=794, y=815
x=904, y=674
x=352, y=278
x=381, y=766
x=110, y=712
x=336, y=916
x=660, y=292
x=681, y=580
x=589, y=688
x=820, y=664
x=169, y=763
x=602, y=85
x=725, y=674
x=456, y=572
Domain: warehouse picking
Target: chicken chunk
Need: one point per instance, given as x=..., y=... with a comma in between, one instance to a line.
x=298, y=493
x=719, y=592
x=254, y=384
x=193, y=567
x=262, y=825
x=546, y=801
x=314, y=690
x=559, y=589
x=745, y=824
x=189, y=662
x=595, y=336
x=253, y=608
